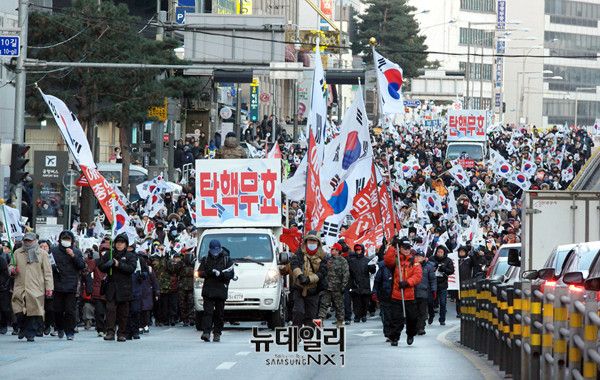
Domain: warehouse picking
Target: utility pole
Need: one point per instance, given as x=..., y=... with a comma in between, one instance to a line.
x=340, y=105
x=297, y=47
x=20, y=88
x=238, y=108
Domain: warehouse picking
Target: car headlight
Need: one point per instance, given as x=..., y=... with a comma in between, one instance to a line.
x=271, y=279
x=198, y=282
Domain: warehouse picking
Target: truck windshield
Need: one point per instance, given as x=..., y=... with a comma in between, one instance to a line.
x=256, y=247
x=473, y=152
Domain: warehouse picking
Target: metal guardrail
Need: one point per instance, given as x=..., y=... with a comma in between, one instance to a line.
x=530, y=334
x=584, y=174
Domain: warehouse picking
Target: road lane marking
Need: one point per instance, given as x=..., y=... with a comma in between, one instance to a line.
x=484, y=368
x=226, y=365
x=10, y=358
x=243, y=353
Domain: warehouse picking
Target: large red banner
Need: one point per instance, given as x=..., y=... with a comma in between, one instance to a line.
x=317, y=208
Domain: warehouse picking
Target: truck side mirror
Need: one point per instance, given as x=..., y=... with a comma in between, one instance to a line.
x=514, y=258
x=283, y=258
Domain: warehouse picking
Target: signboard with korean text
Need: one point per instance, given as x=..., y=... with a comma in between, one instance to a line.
x=49, y=190
x=238, y=193
x=254, y=101
x=467, y=125
x=500, y=51
x=9, y=46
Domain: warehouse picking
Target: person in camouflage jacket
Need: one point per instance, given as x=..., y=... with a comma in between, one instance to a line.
x=165, y=268
x=338, y=274
x=186, y=289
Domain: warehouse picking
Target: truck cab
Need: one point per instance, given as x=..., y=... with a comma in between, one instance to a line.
x=258, y=291
x=476, y=151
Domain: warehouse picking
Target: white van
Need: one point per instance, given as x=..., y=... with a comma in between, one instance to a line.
x=257, y=292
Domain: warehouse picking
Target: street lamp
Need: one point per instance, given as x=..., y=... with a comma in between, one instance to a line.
x=576, y=100
x=467, y=76
x=519, y=100
x=556, y=77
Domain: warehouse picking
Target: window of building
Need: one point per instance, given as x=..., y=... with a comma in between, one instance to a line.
x=475, y=36
x=573, y=13
x=475, y=70
x=581, y=46
x=478, y=5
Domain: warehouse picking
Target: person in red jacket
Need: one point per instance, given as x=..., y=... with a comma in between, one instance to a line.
x=403, y=289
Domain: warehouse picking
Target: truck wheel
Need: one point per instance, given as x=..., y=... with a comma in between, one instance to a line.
x=199, y=320
x=278, y=317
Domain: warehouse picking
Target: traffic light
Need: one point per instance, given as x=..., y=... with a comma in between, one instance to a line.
x=17, y=163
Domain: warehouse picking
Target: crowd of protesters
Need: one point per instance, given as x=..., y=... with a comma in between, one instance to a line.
x=124, y=286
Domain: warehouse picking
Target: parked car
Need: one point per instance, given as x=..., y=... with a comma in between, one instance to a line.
x=576, y=268
x=499, y=264
x=549, y=273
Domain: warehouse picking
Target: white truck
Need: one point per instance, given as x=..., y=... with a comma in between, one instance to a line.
x=553, y=218
x=466, y=135
x=238, y=202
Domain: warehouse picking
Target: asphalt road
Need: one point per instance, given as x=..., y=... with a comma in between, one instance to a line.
x=177, y=352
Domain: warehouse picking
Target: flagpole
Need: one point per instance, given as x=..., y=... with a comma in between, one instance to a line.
x=7, y=232
x=373, y=41
x=112, y=226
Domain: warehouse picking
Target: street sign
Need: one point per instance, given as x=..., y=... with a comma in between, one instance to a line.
x=49, y=175
x=225, y=113
x=412, y=103
x=254, y=102
x=264, y=97
x=9, y=46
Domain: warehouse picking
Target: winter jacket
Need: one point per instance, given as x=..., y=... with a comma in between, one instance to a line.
x=411, y=273
x=139, y=275
x=119, y=287
x=468, y=267
x=150, y=290
x=312, y=266
x=4, y=275
x=338, y=274
x=360, y=269
x=186, y=277
x=444, y=267
x=97, y=275
x=382, y=286
x=31, y=283
x=231, y=149
x=66, y=275
x=216, y=286
x=428, y=283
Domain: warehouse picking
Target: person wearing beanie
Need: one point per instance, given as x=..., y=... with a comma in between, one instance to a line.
x=231, y=148
x=309, y=275
x=119, y=264
x=406, y=275
x=338, y=275
x=216, y=268
x=32, y=273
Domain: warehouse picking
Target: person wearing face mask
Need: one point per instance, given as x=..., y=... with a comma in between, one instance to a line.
x=216, y=268
x=360, y=282
x=309, y=274
x=33, y=281
x=185, y=285
x=69, y=261
x=118, y=264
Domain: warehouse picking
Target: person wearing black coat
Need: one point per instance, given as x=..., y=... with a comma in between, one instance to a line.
x=444, y=267
x=382, y=293
x=69, y=261
x=468, y=267
x=216, y=268
x=119, y=264
x=178, y=157
x=139, y=275
x=6, y=313
x=360, y=281
x=425, y=290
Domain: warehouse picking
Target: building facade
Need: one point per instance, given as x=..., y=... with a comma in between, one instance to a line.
x=549, y=63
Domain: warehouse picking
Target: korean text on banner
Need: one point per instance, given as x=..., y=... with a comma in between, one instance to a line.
x=238, y=193
x=467, y=125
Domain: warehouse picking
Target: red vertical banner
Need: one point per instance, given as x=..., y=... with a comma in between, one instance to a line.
x=101, y=188
x=387, y=213
x=317, y=208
